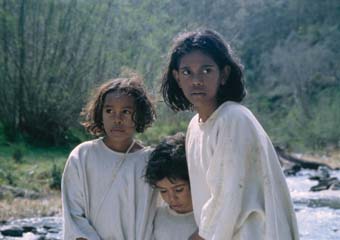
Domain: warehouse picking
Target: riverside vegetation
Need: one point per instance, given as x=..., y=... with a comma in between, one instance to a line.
x=30, y=175
x=52, y=52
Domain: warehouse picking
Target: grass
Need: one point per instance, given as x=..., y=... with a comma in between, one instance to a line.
x=33, y=169
x=15, y=208
x=38, y=168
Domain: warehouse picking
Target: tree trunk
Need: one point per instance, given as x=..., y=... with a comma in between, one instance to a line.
x=22, y=63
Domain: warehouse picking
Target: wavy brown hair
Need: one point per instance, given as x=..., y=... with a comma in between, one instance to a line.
x=168, y=160
x=143, y=116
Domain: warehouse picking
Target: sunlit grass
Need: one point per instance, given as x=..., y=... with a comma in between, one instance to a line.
x=14, y=208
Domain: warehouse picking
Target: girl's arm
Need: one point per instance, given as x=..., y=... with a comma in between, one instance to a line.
x=76, y=225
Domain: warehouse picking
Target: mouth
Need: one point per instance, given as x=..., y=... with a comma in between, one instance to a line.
x=197, y=94
x=176, y=206
x=117, y=129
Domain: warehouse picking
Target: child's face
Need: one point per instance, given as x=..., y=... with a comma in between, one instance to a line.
x=118, y=110
x=176, y=194
x=199, y=77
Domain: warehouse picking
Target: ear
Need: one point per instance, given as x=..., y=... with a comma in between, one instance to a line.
x=225, y=73
x=175, y=75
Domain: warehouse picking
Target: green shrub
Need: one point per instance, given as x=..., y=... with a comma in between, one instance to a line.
x=18, y=155
x=10, y=179
x=56, y=174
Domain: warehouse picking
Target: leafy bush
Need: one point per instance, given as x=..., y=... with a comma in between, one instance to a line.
x=56, y=174
x=18, y=155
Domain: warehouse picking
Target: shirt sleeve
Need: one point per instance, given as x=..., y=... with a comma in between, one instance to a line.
x=76, y=225
x=236, y=202
x=146, y=201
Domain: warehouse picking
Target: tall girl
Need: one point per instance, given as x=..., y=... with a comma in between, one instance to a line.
x=104, y=195
x=238, y=189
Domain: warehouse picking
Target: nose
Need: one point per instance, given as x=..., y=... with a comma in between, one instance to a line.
x=117, y=118
x=196, y=79
x=172, y=197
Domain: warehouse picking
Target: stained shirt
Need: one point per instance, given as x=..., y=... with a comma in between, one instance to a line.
x=97, y=207
x=238, y=189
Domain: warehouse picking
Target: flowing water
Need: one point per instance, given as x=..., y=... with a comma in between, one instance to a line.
x=318, y=213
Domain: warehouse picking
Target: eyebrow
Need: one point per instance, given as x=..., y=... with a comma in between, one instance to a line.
x=108, y=105
x=205, y=65
x=175, y=186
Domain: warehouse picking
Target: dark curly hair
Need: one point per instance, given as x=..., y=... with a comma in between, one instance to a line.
x=168, y=161
x=212, y=44
x=143, y=117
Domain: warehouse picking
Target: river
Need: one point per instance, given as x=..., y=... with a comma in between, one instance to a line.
x=318, y=213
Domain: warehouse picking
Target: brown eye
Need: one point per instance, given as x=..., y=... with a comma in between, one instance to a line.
x=206, y=71
x=127, y=112
x=186, y=72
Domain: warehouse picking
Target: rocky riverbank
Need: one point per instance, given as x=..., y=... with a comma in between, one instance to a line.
x=43, y=228
x=31, y=215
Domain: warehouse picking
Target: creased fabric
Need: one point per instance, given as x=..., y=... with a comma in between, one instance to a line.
x=238, y=188
x=94, y=206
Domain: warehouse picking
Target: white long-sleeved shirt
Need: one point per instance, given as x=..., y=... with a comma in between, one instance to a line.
x=94, y=206
x=170, y=225
x=237, y=185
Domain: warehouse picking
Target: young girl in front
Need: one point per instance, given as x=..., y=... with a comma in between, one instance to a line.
x=167, y=172
x=104, y=195
x=237, y=185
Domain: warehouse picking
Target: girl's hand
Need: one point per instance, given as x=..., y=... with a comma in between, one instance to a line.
x=195, y=236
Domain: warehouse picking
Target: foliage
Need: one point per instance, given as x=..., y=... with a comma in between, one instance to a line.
x=45, y=63
x=35, y=172
x=17, y=155
x=56, y=174
x=53, y=52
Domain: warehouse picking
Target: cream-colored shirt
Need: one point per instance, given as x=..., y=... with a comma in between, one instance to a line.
x=170, y=225
x=94, y=206
x=237, y=185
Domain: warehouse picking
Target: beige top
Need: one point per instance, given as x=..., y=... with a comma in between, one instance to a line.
x=95, y=206
x=237, y=185
x=170, y=225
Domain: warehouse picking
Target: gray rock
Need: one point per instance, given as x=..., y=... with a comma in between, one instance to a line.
x=325, y=184
x=12, y=231
x=29, y=228
x=335, y=186
x=321, y=174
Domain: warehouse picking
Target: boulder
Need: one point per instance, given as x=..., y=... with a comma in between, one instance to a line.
x=12, y=231
x=325, y=181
